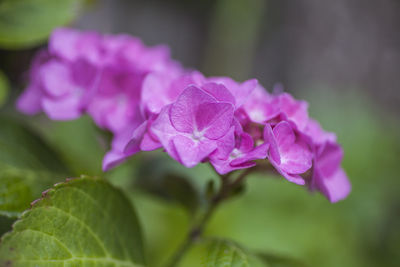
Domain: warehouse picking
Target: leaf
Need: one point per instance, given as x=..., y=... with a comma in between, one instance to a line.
x=223, y=253
x=160, y=179
x=19, y=188
x=22, y=148
x=280, y=261
x=25, y=23
x=81, y=222
x=27, y=167
x=5, y=224
x=75, y=140
x=4, y=88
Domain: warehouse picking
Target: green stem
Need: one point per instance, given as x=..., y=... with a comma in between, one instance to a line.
x=197, y=230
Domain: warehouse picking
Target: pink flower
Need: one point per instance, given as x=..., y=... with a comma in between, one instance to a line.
x=317, y=134
x=263, y=107
x=189, y=128
x=288, y=152
x=148, y=101
x=163, y=88
x=71, y=45
x=66, y=88
x=240, y=91
x=30, y=101
x=237, y=152
x=328, y=177
x=260, y=108
x=98, y=74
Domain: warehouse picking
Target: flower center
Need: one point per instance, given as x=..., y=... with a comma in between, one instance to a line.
x=235, y=153
x=197, y=135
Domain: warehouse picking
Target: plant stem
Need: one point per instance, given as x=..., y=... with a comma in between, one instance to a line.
x=198, y=228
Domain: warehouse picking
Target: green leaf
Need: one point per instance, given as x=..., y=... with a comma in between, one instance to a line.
x=5, y=224
x=22, y=148
x=280, y=261
x=25, y=23
x=19, y=188
x=27, y=167
x=4, y=88
x=81, y=222
x=75, y=140
x=162, y=180
x=223, y=253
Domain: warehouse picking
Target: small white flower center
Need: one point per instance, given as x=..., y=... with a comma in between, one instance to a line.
x=197, y=135
x=235, y=153
x=257, y=115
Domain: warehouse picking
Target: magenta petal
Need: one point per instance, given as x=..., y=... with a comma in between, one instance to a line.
x=223, y=166
x=56, y=79
x=193, y=78
x=149, y=143
x=191, y=153
x=117, y=118
x=246, y=143
x=297, y=160
x=214, y=119
x=63, y=42
x=295, y=110
x=154, y=96
x=239, y=91
x=295, y=156
x=71, y=44
x=30, y=102
x=335, y=187
x=243, y=91
x=220, y=92
x=329, y=158
x=62, y=109
x=183, y=111
x=141, y=140
x=112, y=159
x=259, y=106
x=259, y=152
x=162, y=127
x=294, y=178
x=317, y=134
x=165, y=132
x=134, y=143
x=225, y=145
x=273, y=146
x=284, y=135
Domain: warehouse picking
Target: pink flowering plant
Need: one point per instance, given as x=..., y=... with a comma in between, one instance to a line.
x=148, y=101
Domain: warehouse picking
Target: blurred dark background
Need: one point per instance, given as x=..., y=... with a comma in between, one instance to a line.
x=342, y=56
x=343, y=44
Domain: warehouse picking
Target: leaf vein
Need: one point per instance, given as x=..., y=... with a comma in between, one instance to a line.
x=95, y=236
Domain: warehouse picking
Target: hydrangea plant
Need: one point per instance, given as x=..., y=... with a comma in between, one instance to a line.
x=149, y=101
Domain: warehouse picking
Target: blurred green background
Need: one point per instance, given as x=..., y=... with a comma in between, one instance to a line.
x=343, y=57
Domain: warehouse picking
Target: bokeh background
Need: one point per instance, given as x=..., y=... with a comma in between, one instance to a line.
x=343, y=57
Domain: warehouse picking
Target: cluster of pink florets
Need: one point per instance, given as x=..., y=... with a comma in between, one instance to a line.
x=148, y=101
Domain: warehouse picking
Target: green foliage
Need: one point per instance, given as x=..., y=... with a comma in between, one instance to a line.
x=19, y=188
x=21, y=148
x=75, y=140
x=5, y=224
x=226, y=253
x=81, y=222
x=157, y=177
x=4, y=88
x=24, y=23
x=279, y=261
x=223, y=253
x=27, y=167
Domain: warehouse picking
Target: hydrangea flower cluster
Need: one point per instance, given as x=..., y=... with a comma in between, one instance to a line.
x=148, y=101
